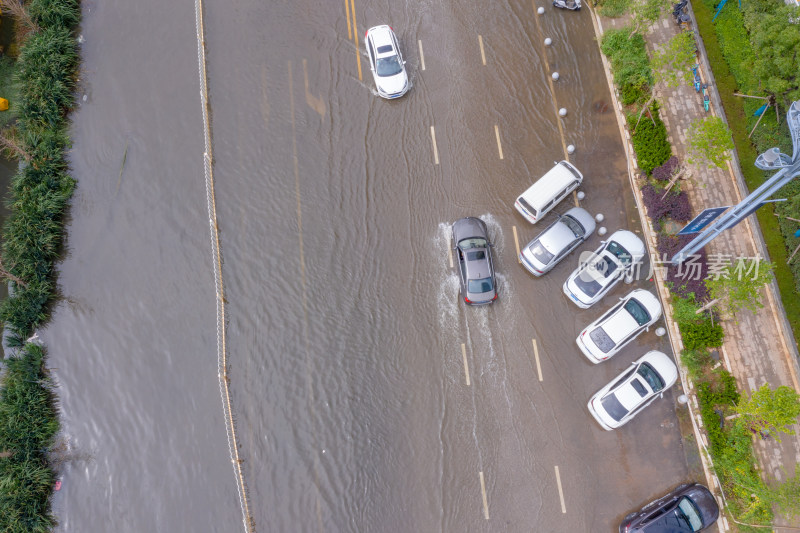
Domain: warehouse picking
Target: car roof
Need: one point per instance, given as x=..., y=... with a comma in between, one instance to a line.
x=477, y=268
x=627, y=394
x=551, y=183
x=619, y=325
x=556, y=237
x=382, y=36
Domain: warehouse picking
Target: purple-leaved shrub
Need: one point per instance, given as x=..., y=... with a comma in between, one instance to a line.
x=689, y=276
x=665, y=171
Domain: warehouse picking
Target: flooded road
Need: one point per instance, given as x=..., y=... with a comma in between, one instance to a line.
x=367, y=397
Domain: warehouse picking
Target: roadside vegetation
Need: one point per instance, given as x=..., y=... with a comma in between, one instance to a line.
x=699, y=298
x=44, y=78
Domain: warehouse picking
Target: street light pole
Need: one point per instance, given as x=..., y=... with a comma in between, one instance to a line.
x=788, y=168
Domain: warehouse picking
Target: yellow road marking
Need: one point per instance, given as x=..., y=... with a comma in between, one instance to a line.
x=536, y=356
x=550, y=82
x=355, y=35
x=483, y=494
x=560, y=492
x=483, y=55
x=499, y=146
x=313, y=102
x=303, y=279
x=347, y=9
x=516, y=242
x=421, y=55
x=466, y=367
x=435, y=150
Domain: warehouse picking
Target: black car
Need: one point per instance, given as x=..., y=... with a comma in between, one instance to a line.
x=475, y=265
x=688, y=508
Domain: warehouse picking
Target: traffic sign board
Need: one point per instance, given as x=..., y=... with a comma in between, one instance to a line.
x=702, y=220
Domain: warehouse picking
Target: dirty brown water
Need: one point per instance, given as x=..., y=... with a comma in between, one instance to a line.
x=352, y=411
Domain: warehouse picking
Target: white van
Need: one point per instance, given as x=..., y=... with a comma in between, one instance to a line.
x=547, y=191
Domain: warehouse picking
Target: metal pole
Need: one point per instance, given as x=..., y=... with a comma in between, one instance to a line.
x=789, y=169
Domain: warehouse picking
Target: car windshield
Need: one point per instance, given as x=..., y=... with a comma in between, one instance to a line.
x=612, y=406
x=601, y=339
x=539, y=252
x=638, y=312
x=474, y=242
x=688, y=512
x=388, y=66
x=574, y=226
x=619, y=252
x=651, y=376
x=480, y=285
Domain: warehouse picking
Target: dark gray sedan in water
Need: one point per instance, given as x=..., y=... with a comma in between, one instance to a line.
x=688, y=508
x=474, y=257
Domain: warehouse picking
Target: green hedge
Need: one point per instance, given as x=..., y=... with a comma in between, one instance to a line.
x=629, y=64
x=32, y=240
x=649, y=139
x=28, y=424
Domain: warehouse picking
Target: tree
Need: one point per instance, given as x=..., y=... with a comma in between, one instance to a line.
x=736, y=285
x=775, y=36
x=672, y=63
x=772, y=411
x=710, y=141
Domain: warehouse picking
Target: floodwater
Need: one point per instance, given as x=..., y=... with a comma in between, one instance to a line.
x=346, y=339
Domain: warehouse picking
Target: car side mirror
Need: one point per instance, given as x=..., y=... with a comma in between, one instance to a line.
x=603, y=242
x=404, y=61
x=647, y=328
x=661, y=395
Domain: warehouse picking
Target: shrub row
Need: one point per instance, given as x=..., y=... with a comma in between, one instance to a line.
x=32, y=240
x=629, y=64
x=28, y=423
x=649, y=139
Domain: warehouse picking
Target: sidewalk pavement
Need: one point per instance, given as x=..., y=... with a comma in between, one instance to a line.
x=759, y=347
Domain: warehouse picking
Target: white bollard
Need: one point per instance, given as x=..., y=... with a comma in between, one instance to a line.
x=548, y=41
x=660, y=331
x=562, y=112
x=540, y=11
x=599, y=217
x=602, y=230
x=683, y=399
x=581, y=195
x=555, y=76
x=571, y=149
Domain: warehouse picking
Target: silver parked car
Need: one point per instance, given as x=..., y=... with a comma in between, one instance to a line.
x=557, y=241
x=618, y=402
x=386, y=62
x=474, y=257
x=618, y=326
x=597, y=274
